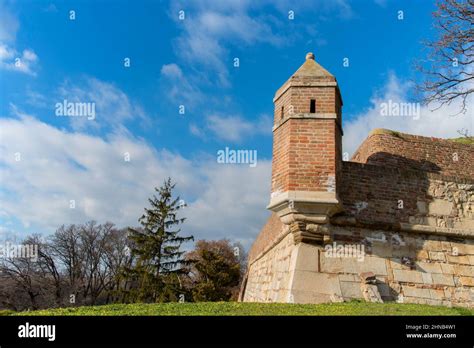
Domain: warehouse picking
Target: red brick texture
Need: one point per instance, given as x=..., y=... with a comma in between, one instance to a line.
x=305, y=155
x=306, y=151
x=388, y=148
x=380, y=188
x=298, y=100
x=391, y=166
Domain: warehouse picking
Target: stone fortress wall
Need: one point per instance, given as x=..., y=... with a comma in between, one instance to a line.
x=401, y=224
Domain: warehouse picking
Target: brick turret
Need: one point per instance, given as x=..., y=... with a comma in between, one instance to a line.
x=307, y=144
x=407, y=200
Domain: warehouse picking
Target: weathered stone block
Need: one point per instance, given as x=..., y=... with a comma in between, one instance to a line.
x=440, y=207
x=432, y=245
x=331, y=264
x=381, y=249
x=463, y=294
x=320, y=283
x=351, y=265
x=349, y=278
x=370, y=292
x=437, y=294
x=373, y=264
x=429, y=267
x=422, y=255
x=447, y=268
x=307, y=257
x=416, y=292
x=463, y=249
x=437, y=256
x=407, y=276
x=448, y=292
x=443, y=279
x=351, y=289
x=466, y=281
x=458, y=259
x=396, y=263
x=427, y=278
x=463, y=270
x=446, y=246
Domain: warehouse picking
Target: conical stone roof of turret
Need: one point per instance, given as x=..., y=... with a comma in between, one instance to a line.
x=311, y=68
x=309, y=74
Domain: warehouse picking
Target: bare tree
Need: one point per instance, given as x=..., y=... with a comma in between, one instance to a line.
x=117, y=258
x=98, y=246
x=449, y=69
x=50, y=271
x=65, y=247
x=22, y=274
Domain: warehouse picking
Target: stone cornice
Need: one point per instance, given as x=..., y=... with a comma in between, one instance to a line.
x=308, y=206
x=402, y=227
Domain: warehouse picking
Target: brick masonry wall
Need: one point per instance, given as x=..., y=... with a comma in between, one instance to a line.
x=388, y=148
x=373, y=194
x=297, y=100
x=409, y=267
x=306, y=151
x=304, y=155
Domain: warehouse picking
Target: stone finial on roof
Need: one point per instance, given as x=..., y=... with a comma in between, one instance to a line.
x=311, y=68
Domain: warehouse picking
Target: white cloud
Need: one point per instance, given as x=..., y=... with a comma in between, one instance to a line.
x=30, y=56
x=232, y=204
x=171, y=71
x=6, y=53
x=234, y=128
x=211, y=27
x=213, y=33
x=112, y=106
x=10, y=59
x=224, y=201
x=36, y=99
x=9, y=24
x=442, y=123
x=195, y=130
x=178, y=87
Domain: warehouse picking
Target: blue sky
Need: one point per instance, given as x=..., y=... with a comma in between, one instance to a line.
x=186, y=62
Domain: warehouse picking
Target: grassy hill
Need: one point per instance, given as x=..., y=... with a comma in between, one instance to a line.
x=249, y=309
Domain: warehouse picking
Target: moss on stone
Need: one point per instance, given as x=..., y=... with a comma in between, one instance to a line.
x=386, y=131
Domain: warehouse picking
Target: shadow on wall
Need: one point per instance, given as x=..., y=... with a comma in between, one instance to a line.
x=391, y=160
x=389, y=189
x=380, y=195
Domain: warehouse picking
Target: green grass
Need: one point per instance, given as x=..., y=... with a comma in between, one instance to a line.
x=464, y=140
x=248, y=309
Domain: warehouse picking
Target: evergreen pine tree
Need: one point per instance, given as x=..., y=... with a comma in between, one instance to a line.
x=156, y=249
